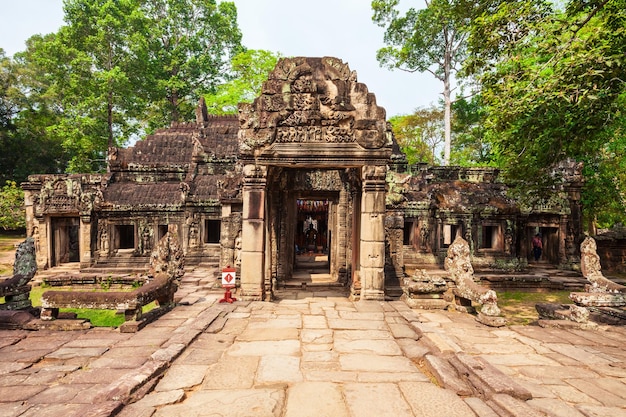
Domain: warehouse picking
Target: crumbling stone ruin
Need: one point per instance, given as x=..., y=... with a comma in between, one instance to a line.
x=603, y=300
x=466, y=290
x=162, y=281
x=458, y=290
x=314, y=150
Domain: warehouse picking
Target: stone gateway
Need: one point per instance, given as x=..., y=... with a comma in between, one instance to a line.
x=307, y=174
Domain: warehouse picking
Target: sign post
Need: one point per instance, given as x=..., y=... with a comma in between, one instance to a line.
x=229, y=277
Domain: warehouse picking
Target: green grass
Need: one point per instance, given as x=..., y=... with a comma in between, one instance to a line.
x=98, y=318
x=518, y=307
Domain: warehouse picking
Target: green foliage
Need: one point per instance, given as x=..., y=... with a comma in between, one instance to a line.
x=12, y=215
x=250, y=69
x=420, y=134
x=470, y=146
x=185, y=48
x=553, y=86
x=25, y=146
x=116, y=70
x=432, y=39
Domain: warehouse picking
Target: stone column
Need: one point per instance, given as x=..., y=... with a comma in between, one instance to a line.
x=253, y=233
x=84, y=241
x=372, y=251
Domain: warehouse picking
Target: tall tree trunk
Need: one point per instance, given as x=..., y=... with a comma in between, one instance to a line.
x=447, y=110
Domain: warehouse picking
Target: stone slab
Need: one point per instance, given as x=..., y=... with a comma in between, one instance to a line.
x=262, y=348
x=278, y=369
x=181, y=377
x=367, y=346
x=494, y=379
x=157, y=399
x=374, y=363
x=256, y=334
x=375, y=399
x=593, y=390
x=554, y=407
x=480, y=408
x=231, y=373
x=67, y=353
x=315, y=399
x=427, y=399
x=515, y=407
x=231, y=403
x=446, y=375
x=19, y=393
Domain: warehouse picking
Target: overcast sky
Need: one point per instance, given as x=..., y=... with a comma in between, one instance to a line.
x=339, y=28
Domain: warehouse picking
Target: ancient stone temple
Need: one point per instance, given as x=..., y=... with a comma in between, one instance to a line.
x=309, y=168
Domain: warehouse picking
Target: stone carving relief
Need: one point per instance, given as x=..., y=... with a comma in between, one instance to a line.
x=312, y=100
x=103, y=238
x=145, y=242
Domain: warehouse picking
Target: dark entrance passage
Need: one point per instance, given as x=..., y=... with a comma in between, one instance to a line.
x=65, y=242
x=312, y=239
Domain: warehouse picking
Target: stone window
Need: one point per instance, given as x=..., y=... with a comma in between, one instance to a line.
x=125, y=236
x=408, y=232
x=162, y=231
x=212, y=231
x=490, y=237
x=448, y=234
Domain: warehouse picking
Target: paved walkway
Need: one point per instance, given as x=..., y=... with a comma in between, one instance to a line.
x=312, y=354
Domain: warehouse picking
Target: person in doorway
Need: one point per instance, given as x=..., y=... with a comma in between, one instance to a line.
x=537, y=247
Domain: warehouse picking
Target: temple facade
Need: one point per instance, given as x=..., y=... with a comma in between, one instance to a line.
x=310, y=168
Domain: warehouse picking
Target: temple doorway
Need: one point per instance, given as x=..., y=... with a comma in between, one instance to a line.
x=65, y=242
x=312, y=240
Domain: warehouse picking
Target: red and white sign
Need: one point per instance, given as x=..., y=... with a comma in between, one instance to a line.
x=229, y=276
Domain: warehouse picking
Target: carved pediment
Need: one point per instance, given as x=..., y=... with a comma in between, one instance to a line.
x=313, y=101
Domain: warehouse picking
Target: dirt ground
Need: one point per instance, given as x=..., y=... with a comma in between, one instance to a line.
x=7, y=252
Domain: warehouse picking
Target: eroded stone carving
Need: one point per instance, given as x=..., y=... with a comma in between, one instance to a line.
x=458, y=264
x=16, y=289
x=592, y=270
x=603, y=296
x=312, y=100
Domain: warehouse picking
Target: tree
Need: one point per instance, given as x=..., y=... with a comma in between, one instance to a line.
x=25, y=145
x=470, y=146
x=12, y=215
x=432, y=39
x=250, y=69
x=555, y=90
x=122, y=68
x=186, y=53
x=420, y=134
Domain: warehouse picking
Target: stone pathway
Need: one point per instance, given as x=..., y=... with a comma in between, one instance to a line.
x=312, y=354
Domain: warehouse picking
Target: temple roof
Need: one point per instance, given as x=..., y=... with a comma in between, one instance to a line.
x=150, y=194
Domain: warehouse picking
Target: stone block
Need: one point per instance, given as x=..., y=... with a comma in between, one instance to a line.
x=446, y=375
x=252, y=236
x=372, y=227
x=373, y=202
x=372, y=254
x=314, y=399
x=427, y=399
x=253, y=205
x=488, y=379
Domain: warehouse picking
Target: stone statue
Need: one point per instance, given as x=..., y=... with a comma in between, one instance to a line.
x=459, y=265
x=16, y=289
x=591, y=269
x=168, y=256
x=104, y=239
x=238, y=249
